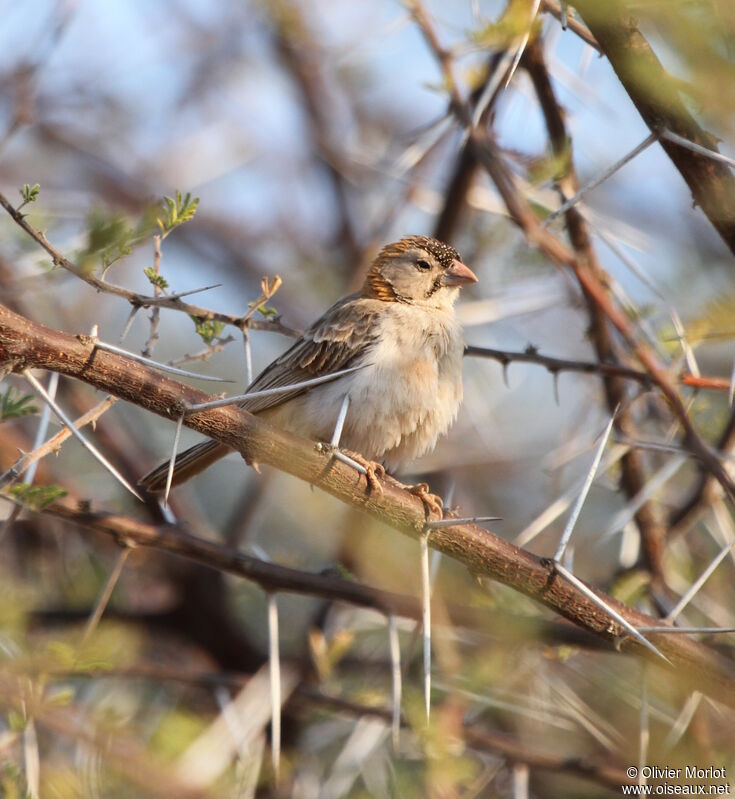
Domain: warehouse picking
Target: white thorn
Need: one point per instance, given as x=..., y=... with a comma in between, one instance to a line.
x=337, y=435
x=592, y=596
x=248, y=356
x=397, y=687
x=572, y=201
x=163, y=367
x=697, y=148
x=172, y=461
x=105, y=594
x=86, y=444
x=426, y=620
x=270, y=392
x=567, y=534
x=699, y=582
x=274, y=663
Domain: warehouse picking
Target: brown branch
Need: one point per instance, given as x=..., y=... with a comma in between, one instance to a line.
x=130, y=532
x=633, y=471
x=174, y=539
x=27, y=344
x=522, y=214
x=482, y=739
x=703, y=492
x=553, y=7
x=445, y=59
x=137, y=300
x=298, y=50
x=557, y=365
x=455, y=195
x=655, y=93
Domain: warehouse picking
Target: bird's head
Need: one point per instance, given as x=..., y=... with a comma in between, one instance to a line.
x=417, y=270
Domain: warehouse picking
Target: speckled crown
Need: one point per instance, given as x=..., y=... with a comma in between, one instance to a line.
x=441, y=251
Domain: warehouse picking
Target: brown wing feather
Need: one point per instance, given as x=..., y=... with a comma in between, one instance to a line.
x=335, y=341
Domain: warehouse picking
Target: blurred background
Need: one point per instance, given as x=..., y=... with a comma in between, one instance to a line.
x=312, y=134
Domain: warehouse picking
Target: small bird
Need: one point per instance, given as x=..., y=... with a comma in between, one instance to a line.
x=402, y=330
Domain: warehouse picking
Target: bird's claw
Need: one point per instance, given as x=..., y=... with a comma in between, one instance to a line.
x=432, y=502
x=374, y=472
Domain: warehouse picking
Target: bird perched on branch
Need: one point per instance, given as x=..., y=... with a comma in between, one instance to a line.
x=402, y=329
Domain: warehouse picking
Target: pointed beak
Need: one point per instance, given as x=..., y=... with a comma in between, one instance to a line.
x=458, y=275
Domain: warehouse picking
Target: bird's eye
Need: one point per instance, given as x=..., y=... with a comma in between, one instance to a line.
x=423, y=265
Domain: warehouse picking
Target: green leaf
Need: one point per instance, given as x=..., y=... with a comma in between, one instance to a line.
x=208, y=329
x=550, y=167
x=37, y=497
x=155, y=278
x=14, y=405
x=29, y=194
x=109, y=236
x=264, y=309
x=176, y=211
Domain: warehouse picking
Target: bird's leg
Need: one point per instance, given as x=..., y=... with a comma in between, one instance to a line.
x=374, y=472
x=432, y=502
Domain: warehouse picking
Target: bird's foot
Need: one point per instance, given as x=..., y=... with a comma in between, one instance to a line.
x=374, y=472
x=432, y=502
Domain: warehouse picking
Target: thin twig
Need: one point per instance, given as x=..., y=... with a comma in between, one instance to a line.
x=53, y=384
x=558, y=10
x=172, y=301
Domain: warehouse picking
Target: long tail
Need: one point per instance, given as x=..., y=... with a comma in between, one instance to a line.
x=190, y=462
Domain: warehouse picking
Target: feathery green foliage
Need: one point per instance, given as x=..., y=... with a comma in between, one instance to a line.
x=177, y=211
x=14, y=404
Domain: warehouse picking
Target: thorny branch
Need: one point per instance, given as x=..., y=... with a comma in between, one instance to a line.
x=476, y=736
x=26, y=344
x=558, y=365
x=655, y=94
x=172, y=301
x=522, y=214
x=633, y=477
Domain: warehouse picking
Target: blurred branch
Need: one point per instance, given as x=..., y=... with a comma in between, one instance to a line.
x=523, y=215
x=54, y=443
x=554, y=8
x=446, y=62
x=455, y=195
x=632, y=476
x=655, y=93
x=299, y=53
x=26, y=344
x=703, y=492
x=130, y=532
x=479, y=737
x=171, y=301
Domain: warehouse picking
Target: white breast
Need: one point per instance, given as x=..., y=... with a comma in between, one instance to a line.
x=407, y=395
